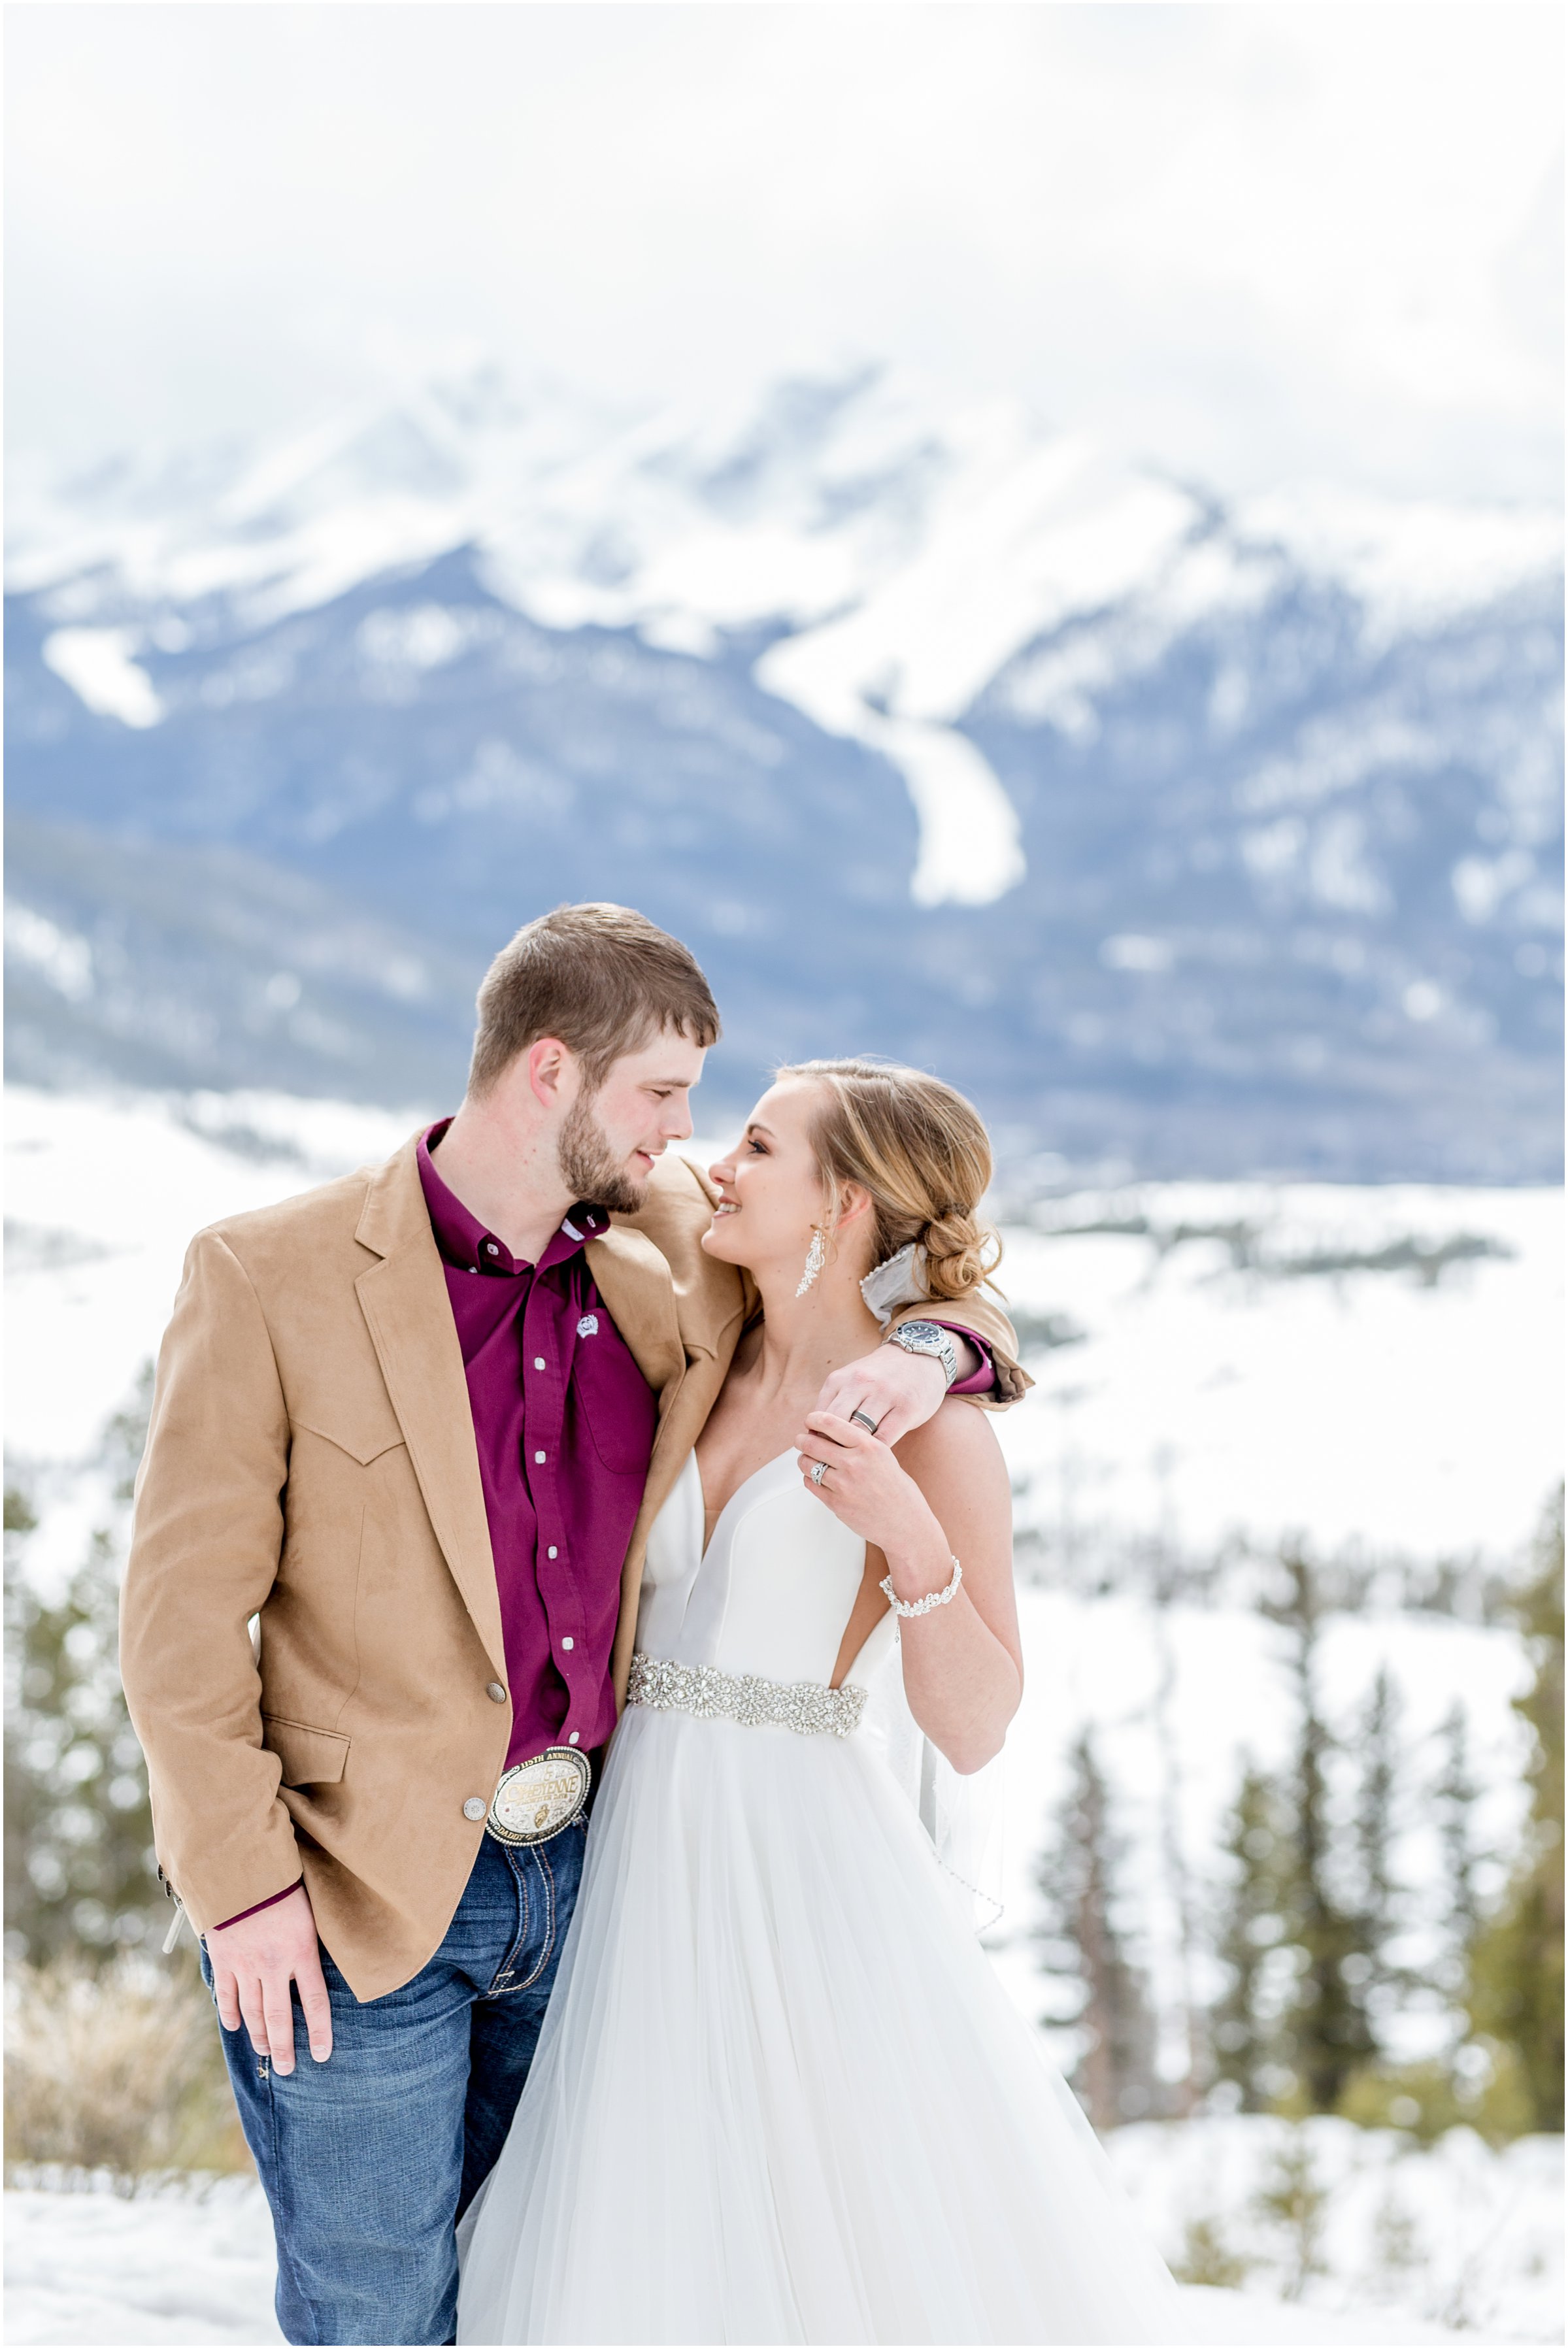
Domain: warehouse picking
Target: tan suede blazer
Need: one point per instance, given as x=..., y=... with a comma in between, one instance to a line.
x=311, y=1461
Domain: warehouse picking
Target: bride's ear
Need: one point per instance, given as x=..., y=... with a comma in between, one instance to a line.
x=855, y=1205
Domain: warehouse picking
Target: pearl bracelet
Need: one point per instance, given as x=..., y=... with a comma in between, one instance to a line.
x=921, y=1606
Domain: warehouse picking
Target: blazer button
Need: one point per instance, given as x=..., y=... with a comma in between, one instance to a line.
x=495, y=1693
x=475, y=1807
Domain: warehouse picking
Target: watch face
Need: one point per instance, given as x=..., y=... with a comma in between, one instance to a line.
x=929, y=1333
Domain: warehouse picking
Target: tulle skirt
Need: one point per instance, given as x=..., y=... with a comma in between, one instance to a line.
x=780, y=2096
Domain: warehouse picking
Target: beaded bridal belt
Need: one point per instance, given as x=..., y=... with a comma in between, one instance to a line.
x=713, y=1695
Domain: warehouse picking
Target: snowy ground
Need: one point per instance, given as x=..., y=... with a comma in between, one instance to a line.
x=1402, y=1416
x=1411, y=1414
x=1456, y=2236
x=1416, y=2247
x=1203, y=1402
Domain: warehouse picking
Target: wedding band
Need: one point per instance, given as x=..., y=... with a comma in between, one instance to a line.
x=859, y=1418
x=818, y=1471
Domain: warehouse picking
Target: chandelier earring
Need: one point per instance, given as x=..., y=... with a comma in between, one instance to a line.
x=815, y=1258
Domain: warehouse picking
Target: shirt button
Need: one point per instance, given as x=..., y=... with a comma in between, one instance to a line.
x=568, y=1643
x=539, y=1459
x=538, y=1361
x=475, y=1807
x=551, y=1551
x=572, y=1739
x=495, y=1693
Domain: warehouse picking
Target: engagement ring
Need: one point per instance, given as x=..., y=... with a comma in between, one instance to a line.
x=818, y=1471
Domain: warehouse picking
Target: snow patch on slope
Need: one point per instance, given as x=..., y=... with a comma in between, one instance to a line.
x=97, y=664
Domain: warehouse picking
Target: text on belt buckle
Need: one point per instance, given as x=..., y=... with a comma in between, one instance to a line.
x=536, y=1799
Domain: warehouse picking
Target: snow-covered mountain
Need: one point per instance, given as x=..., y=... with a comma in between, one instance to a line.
x=1210, y=838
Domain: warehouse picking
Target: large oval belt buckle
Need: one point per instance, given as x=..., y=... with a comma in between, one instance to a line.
x=536, y=1799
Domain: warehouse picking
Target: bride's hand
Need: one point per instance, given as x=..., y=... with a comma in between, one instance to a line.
x=862, y=1484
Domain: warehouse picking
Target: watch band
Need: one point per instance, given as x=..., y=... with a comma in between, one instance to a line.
x=927, y=1337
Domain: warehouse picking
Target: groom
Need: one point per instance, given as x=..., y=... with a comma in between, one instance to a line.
x=409, y=1435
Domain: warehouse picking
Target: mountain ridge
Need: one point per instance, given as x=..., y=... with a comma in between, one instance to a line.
x=1205, y=840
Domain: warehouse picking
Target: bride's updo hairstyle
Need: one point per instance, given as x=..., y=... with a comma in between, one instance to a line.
x=922, y=1152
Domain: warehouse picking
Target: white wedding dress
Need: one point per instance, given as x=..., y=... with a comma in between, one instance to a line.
x=780, y=2094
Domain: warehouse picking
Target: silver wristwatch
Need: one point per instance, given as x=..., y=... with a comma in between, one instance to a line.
x=927, y=1337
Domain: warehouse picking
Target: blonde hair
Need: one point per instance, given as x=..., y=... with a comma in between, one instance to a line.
x=923, y=1153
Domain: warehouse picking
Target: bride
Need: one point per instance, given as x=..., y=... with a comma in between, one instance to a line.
x=779, y=2095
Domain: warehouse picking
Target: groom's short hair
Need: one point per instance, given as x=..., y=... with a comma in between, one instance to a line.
x=603, y=978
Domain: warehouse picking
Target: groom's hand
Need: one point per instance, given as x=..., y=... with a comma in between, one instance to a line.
x=253, y=1960
x=897, y=1390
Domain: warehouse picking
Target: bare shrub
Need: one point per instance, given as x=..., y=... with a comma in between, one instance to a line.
x=118, y=2070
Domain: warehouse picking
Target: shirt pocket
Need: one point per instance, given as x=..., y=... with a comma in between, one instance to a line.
x=615, y=1402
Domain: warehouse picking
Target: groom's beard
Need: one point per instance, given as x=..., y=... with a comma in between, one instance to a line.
x=589, y=1168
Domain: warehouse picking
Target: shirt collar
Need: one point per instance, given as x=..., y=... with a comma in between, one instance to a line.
x=464, y=1243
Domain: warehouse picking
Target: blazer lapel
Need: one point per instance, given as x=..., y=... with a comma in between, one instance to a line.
x=635, y=1282
x=409, y=1314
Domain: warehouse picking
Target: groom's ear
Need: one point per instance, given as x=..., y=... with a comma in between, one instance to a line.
x=548, y=1063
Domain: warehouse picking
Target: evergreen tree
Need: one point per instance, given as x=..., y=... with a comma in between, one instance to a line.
x=1454, y=1796
x=1328, y=2035
x=20, y=1521
x=1292, y=2199
x=1381, y=1897
x=1246, y=2024
x=1516, y=1975
x=1083, y=1943
x=80, y=1871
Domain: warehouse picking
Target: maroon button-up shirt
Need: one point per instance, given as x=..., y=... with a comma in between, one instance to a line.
x=564, y=1422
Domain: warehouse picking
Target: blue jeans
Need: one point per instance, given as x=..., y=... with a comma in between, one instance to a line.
x=370, y=2158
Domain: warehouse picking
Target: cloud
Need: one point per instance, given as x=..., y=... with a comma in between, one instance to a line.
x=1249, y=242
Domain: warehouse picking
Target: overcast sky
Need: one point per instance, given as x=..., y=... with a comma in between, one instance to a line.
x=1255, y=243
